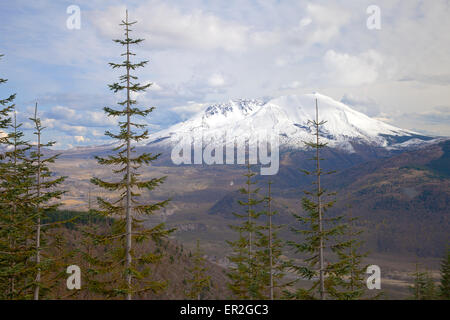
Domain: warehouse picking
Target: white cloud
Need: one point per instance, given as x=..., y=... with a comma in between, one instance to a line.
x=48, y=123
x=60, y=112
x=216, y=80
x=281, y=62
x=60, y=116
x=155, y=87
x=305, y=21
x=362, y=104
x=434, y=121
x=97, y=118
x=190, y=109
x=325, y=21
x=384, y=117
x=97, y=133
x=353, y=70
x=416, y=40
x=293, y=85
x=169, y=27
x=72, y=129
x=79, y=139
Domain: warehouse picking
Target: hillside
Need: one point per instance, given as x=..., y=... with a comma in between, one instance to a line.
x=403, y=200
x=406, y=198
x=173, y=268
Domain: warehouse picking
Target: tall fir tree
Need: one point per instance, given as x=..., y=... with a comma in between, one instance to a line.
x=198, y=283
x=239, y=272
x=125, y=270
x=444, y=287
x=6, y=107
x=245, y=277
x=272, y=244
x=319, y=232
x=348, y=276
x=26, y=190
x=17, y=250
x=423, y=287
x=7, y=220
x=87, y=246
x=46, y=198
x=272, y=268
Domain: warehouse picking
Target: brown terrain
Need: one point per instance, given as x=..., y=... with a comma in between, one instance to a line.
x=402, y=199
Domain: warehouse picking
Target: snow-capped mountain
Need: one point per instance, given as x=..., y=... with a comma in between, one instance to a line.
x=288, y=116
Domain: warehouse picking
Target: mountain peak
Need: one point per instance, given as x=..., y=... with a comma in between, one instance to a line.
x=289, y=116
x=244, y=106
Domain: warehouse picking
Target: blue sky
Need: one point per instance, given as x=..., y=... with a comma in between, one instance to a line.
x=210, y=51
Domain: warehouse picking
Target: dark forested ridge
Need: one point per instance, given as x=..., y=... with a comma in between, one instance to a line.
x=404, y=199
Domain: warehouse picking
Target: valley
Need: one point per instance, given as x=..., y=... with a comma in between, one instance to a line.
x=401, y=195
x=402, y=204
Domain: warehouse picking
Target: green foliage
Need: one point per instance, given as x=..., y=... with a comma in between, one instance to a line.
x=268, y=258
x=441, y=165
x=257, y=270
x=320, y=232
x=244, y=274
x=6, y=106
x=423, y=287
x=199, y=282
x=16, y=227
x=74, y=219
x=17, y=216
x=26, y=191
x=348, y=277
x=445, y=277
x=46, y=198
x=30, y=260
x=124, y=270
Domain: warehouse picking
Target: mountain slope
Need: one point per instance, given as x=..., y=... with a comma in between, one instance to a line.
x=403, y=200
x=289, y=117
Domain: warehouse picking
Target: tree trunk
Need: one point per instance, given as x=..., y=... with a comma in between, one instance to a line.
x=38, y=223
x=319, y=208
x=270, y=243
x=249, y=216
x=128, y=200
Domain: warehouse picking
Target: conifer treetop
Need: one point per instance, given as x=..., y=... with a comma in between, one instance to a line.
x=6, y=107
x=125, y=187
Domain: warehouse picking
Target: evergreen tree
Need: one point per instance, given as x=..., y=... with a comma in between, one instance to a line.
x=6, y=107
x=445, y=277
x=319, y=232
x=239, y=272
x=124, y=269
x=25, y=192
x=17, y=268
x=199, y=282
x=45, y=195
x=423, y=287
x=7, y=221
x=87, y=245
x=430, y=292
x=272, y=268
x=245, y=277
x=348, y=278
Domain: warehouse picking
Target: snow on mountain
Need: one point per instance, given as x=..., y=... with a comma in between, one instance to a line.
x=288, y=116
